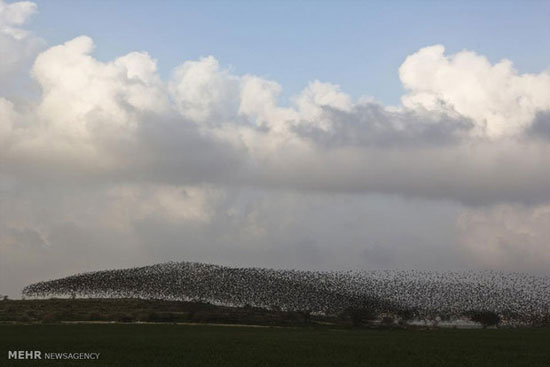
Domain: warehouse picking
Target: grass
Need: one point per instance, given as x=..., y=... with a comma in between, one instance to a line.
x=180, y=345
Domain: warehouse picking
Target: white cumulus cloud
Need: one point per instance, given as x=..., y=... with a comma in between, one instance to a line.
x=501, y=101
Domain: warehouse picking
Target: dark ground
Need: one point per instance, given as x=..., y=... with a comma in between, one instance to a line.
x=132, y=310
x=183, y=345
x=133, y=332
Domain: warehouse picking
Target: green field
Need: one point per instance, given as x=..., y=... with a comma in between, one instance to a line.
x=186, y=345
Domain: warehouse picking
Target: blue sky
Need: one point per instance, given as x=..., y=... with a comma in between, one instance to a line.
x=358, y=45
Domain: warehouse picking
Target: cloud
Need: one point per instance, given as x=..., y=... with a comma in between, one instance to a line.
x=115, y=92
x=208, y=126
x=204, y=93
x=370, y=125
x=511, y=237
x=500, y=101
x=14, y=15
x=18, y=47
x=540, y=128
x=86, y=228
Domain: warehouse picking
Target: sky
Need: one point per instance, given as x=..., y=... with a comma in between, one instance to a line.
x=358, y=45
x=298, y=135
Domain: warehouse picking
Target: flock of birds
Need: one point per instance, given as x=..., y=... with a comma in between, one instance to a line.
x=517, y=297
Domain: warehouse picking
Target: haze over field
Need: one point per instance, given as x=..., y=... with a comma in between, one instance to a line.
x=111, y=158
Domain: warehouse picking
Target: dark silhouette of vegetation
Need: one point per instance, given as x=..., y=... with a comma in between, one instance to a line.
x=306, y=315
x=485, y=318
x=359, y=316
x=405, y=315
x=154, y=311
x=387, y=320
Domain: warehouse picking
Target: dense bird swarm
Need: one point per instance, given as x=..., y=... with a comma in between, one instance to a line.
x=515, y=296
